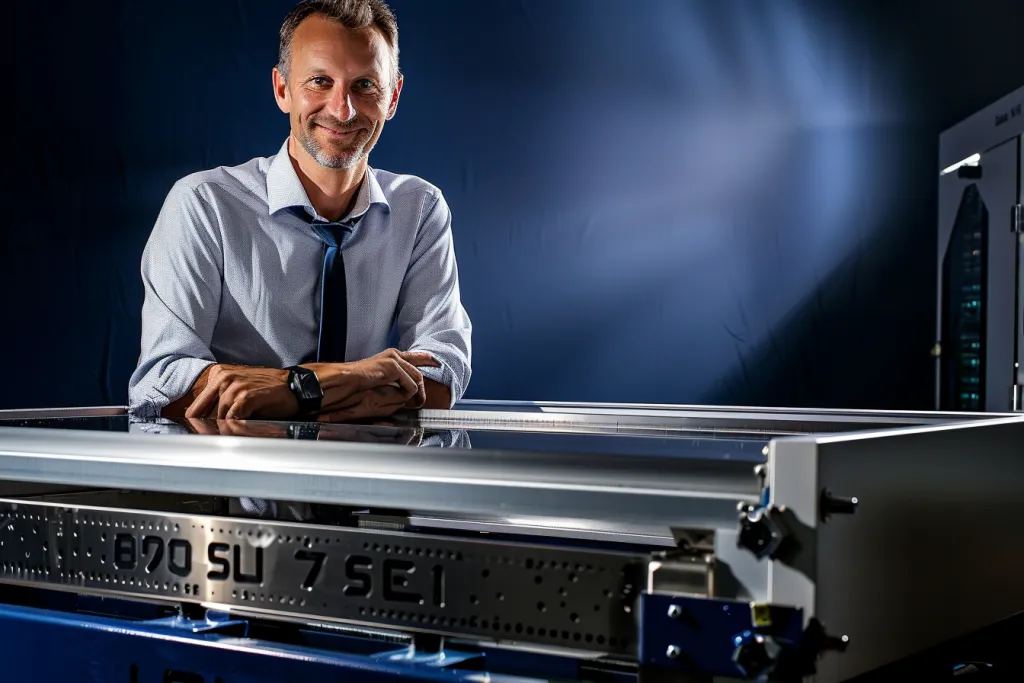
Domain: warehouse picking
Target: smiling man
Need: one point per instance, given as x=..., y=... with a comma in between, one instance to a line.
x=273, y=289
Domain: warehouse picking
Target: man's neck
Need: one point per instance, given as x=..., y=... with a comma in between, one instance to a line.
x=332, y=191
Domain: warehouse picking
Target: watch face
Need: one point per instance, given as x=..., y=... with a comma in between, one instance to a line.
x=308, y=385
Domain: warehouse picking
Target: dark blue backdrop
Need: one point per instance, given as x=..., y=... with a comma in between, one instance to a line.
x=662, y=200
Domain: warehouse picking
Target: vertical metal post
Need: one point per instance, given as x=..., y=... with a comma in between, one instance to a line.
x=1017, y=227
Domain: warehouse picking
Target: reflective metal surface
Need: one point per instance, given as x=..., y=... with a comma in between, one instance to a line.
x=645, y=442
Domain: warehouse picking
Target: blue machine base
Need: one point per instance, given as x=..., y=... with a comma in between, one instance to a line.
x=44, y=646
x=62, y=637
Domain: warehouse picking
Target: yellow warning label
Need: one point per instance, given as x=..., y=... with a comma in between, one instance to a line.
x=760, y=614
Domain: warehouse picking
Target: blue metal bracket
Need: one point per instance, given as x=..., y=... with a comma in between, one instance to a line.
x=719, y=637
x=435, y=660
x=213, y=622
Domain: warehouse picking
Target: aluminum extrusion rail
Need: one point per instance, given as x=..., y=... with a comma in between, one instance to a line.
x=626, y=488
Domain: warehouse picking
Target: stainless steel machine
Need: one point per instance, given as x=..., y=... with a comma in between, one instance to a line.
x=980, y=289
x=504, y=541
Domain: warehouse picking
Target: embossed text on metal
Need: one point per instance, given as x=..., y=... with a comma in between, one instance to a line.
x=576, y=598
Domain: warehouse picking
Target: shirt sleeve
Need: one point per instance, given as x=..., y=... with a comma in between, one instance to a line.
x=182, y=266
x=431, y=317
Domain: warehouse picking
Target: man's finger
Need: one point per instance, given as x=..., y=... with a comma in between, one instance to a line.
x=420, y=358
x=241, y=407
x=228, y=397
x=399, y=371
x=205, y=402
x=416, y=385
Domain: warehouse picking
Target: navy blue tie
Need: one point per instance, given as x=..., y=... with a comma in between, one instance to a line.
x=333, y=294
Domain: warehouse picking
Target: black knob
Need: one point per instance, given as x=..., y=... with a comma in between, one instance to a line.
x=759, y=533
x=754, y=654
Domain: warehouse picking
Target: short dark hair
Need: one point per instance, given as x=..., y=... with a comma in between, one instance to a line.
x=352, y=14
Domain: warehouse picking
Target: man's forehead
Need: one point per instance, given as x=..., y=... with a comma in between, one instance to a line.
x=322, y=44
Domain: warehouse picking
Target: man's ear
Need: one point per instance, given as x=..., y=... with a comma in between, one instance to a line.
x=281, y=94
x=393, y=106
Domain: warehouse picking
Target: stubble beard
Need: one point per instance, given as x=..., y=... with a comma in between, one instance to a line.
x=347, y=159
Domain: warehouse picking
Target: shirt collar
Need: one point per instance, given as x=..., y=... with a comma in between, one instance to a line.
x=284, y=189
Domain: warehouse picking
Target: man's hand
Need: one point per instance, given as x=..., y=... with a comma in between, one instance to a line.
x=237, y=392
x=375, y=387
x=378, y=402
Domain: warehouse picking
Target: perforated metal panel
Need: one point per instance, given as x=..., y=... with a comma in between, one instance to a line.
x=508, y=591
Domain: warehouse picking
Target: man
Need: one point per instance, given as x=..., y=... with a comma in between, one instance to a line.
x=272, y=288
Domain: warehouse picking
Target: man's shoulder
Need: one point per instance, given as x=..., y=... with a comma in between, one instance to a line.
x=248, y=178
x=404, y=185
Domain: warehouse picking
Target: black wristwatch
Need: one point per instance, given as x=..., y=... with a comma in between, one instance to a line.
x=304, y=384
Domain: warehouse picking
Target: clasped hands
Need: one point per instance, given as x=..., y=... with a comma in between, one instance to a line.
x=378, y=386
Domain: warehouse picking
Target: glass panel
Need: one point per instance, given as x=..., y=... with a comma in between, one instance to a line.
x=964, y=277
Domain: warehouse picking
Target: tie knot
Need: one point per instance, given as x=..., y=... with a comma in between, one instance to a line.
x=331, y=234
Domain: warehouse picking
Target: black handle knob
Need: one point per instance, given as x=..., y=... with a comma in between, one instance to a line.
x=760, y=532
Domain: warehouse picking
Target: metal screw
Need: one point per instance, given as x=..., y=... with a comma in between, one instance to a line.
x=674, y=611
x=760, y=471
x=673, y=652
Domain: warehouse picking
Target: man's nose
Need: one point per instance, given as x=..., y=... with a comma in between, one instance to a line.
x=340, y=105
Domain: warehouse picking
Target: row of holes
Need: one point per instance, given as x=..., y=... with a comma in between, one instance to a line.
x=496, y=625
x=188, y=589
x=252, y=595
x=399, y=550
x=142, y=526
x=25, y=567
x=31, y=518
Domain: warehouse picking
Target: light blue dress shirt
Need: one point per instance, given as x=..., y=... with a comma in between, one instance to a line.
x=232, y=272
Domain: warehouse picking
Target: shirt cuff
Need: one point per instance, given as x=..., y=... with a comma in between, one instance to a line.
x=169, y=383
x=443, y=375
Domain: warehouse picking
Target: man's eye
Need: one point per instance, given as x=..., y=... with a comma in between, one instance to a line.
x=364, y=84
x=319, y=81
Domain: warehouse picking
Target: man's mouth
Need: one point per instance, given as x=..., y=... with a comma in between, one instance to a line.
x=341, y=135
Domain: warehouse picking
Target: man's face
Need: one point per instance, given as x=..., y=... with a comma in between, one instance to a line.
x=339, y=91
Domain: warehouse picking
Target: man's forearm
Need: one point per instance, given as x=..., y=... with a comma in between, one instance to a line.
x=337, y=387
x=439, y=397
